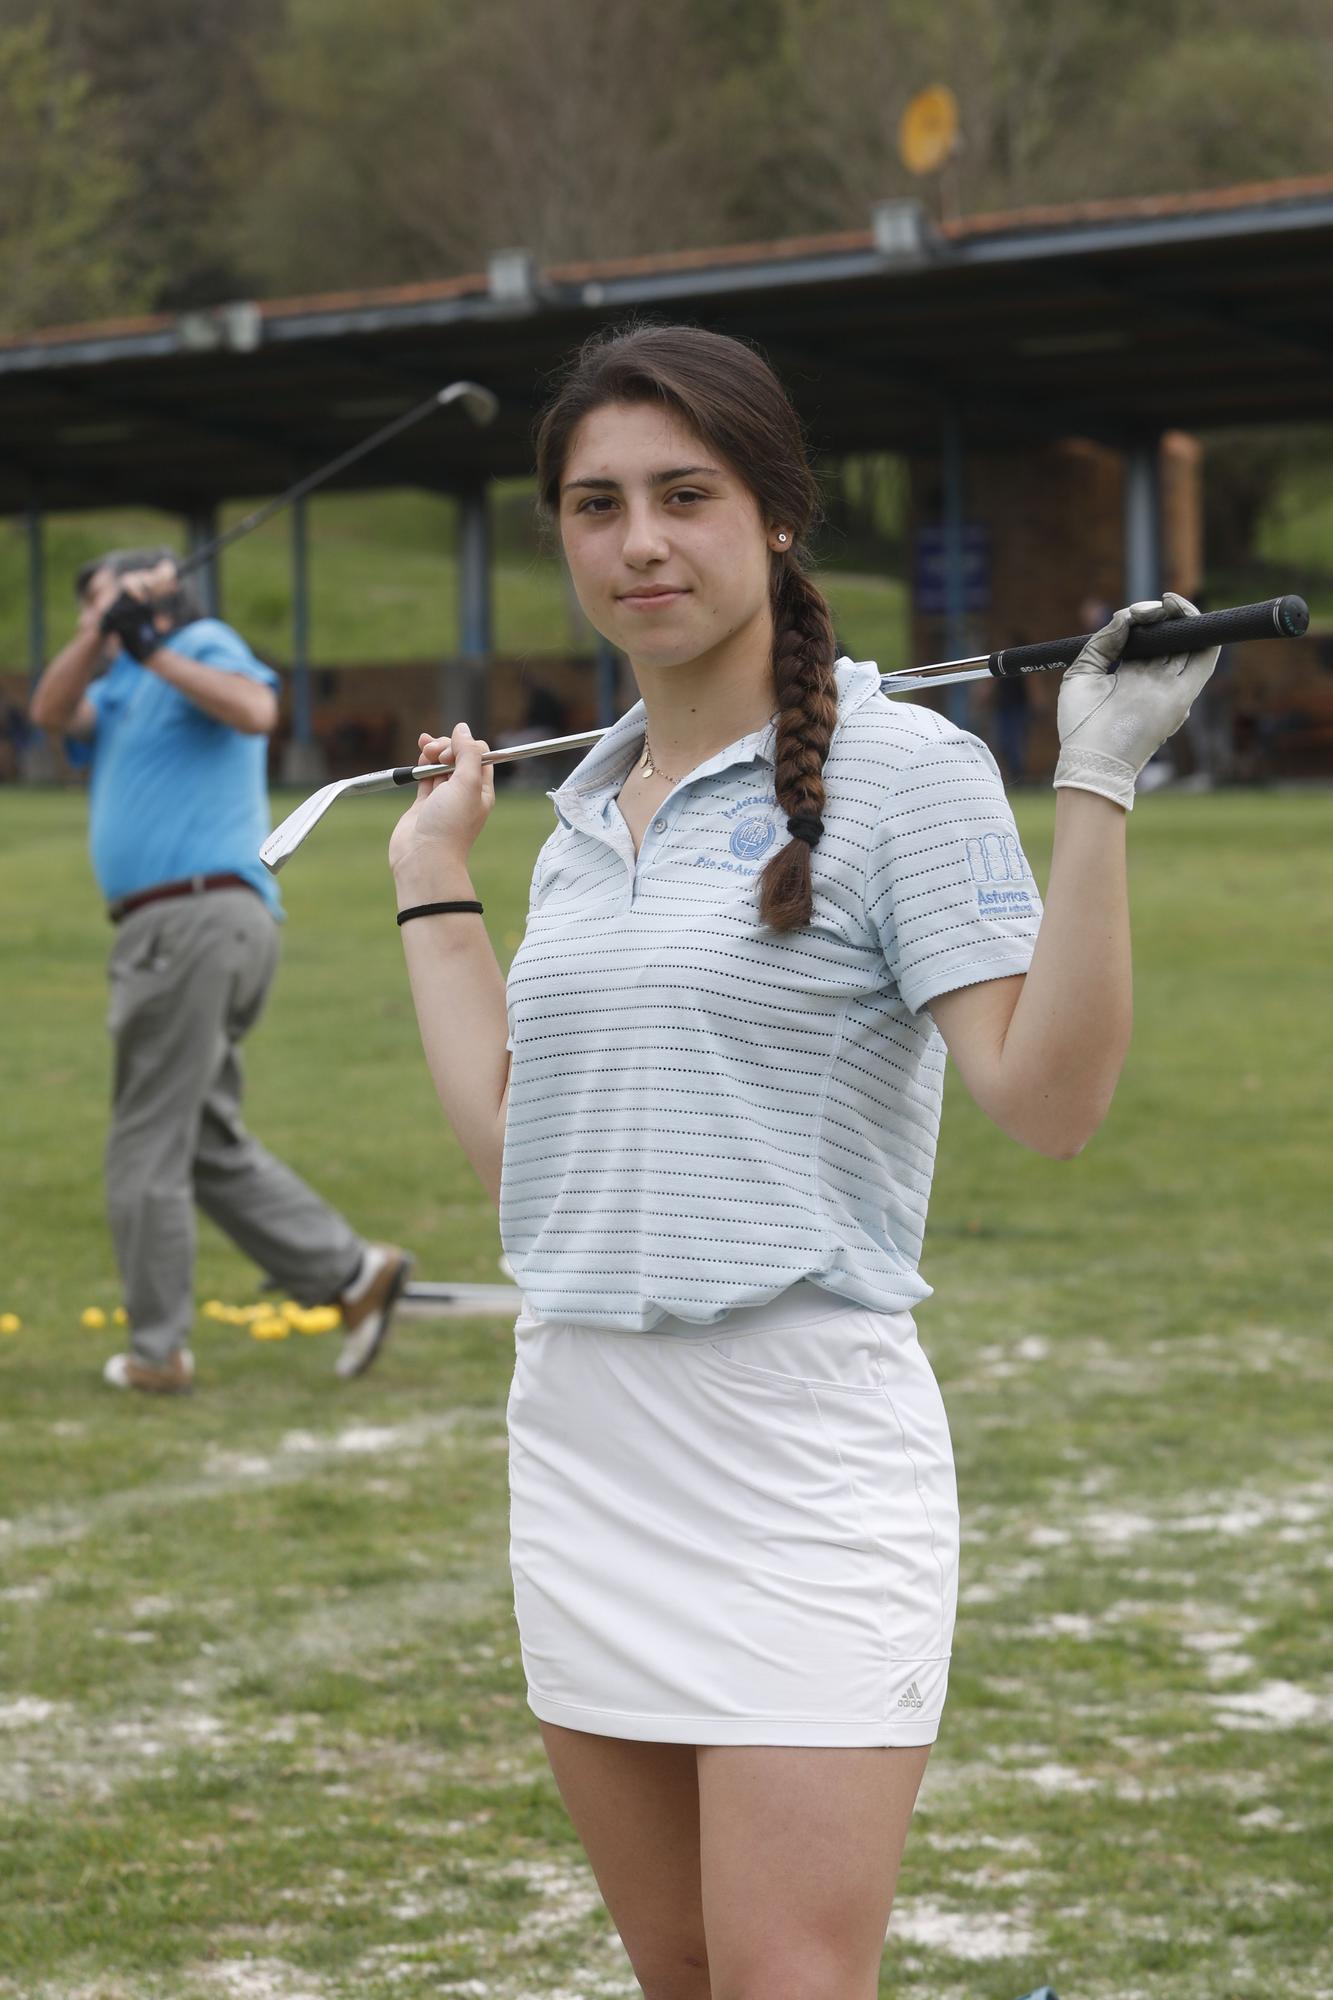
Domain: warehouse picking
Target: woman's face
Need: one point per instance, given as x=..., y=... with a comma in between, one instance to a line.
x=666, y=547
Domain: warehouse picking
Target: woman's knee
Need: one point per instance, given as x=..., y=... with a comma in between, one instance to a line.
x=678, y=1976
x=797, y=1972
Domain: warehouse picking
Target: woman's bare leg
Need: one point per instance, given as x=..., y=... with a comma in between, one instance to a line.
x=799, y=1857
x=635, y=1807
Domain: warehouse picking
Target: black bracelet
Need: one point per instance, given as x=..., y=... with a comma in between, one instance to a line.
x=435, y=910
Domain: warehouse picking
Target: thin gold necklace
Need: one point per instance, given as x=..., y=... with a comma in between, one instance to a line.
x=649, y=768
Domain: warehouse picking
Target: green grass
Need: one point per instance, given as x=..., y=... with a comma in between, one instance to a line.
x=259, y=1691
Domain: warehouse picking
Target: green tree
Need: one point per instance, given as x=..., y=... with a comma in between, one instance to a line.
x=1060, y=100
x=64, y=255
x=414, y=142
x=174, y=85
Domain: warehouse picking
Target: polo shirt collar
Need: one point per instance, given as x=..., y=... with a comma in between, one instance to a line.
x=609, y=761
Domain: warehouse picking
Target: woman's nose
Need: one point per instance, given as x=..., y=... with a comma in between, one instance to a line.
x=645, y=536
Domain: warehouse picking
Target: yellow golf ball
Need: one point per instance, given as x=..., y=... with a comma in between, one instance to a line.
x=214, y=1309
x=271, y=1327
x=120, y=1316
x=92, y=1316
x=319, y=1319
x=10, y=1323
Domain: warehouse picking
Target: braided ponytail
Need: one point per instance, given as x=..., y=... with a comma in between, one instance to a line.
x=728, y=395
x=807, y=704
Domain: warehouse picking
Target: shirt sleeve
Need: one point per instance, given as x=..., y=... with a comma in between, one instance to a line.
x=79, y=749
x=949, y=892
x=214, y=644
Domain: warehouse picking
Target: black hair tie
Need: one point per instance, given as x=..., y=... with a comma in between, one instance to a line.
x=806, y=827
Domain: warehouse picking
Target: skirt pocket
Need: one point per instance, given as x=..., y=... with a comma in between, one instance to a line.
x=845, y=1416
x=851, y=1351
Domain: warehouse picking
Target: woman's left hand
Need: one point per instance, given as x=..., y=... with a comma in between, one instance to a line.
x=1111, y=723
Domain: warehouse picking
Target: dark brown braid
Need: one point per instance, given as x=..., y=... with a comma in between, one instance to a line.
x=727, y=393
x=807, y=705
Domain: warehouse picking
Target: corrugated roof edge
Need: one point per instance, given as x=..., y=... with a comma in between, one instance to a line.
x=1052, y=216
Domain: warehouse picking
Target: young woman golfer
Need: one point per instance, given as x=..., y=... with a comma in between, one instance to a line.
x=707, y=1105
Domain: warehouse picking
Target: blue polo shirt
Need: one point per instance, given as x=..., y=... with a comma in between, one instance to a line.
x=175, y=792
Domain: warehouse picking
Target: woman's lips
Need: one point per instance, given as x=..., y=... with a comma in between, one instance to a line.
x=655, y=600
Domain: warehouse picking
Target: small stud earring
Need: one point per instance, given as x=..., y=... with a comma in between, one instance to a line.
x=782, y=537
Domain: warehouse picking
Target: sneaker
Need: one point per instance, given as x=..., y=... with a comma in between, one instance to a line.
x=367, y=1307
x=173, y=1378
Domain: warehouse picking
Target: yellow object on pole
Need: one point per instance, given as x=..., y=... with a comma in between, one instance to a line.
x=928, y=130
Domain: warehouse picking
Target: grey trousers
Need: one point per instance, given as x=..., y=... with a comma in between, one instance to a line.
x=189, y=977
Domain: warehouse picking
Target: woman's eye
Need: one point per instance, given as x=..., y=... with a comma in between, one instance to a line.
x=687, y=493
x=596, y=503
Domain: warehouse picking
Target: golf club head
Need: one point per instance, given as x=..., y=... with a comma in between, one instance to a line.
x=287, y=836
x=481, y=404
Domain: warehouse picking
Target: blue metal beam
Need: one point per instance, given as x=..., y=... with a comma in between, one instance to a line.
x=464, y=682
x=302, y=731
x=474, y=573
x=608, y=677
x=36, y=592
x=955, y=611
x=201, y=526
x=1143, y=521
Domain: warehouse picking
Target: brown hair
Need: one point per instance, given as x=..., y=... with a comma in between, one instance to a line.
x=729, y=396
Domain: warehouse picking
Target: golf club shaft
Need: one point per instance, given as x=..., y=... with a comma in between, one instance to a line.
x=1281, y=617
x=1276, y=618
x=480, y=402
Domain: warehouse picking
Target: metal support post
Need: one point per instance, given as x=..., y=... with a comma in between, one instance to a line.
x=1142, y=522
x=303, y=761
x=955, y=603
x=465, y=678
x=36, y=592
x=36, y=756
x=608, y=683
x=201, y=527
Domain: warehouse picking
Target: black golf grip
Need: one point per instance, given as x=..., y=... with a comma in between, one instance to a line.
x=1279, y=618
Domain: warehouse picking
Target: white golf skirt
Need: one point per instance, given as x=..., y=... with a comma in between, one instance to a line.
x=740, y=1534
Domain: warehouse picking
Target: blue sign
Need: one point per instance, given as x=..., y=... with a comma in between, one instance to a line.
x=930, y=581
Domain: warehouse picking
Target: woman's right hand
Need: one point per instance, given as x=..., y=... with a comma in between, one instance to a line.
x=449, y=811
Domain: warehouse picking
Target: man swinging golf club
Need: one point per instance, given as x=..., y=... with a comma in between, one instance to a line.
x=178, y=711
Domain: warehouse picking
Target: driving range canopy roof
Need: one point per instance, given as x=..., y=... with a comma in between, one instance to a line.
x=1113, y=319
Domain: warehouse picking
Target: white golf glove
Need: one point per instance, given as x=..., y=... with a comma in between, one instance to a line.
x=1111, y=723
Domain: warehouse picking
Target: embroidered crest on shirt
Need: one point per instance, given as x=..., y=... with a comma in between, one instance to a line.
x=753, y=836
x=1003, y=880
x=753, y=831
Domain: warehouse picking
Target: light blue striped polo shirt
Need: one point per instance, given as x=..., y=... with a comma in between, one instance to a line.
x=703, y=1111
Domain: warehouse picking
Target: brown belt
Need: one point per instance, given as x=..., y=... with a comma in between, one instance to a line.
x=189, y=885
